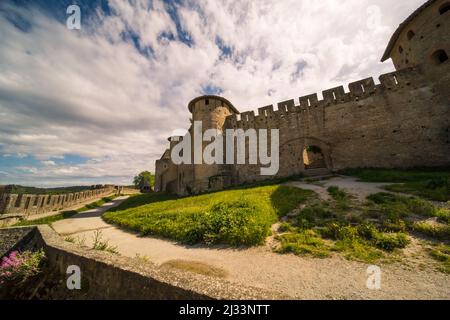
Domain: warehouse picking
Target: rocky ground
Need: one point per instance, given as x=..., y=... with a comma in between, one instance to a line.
x=9, y=237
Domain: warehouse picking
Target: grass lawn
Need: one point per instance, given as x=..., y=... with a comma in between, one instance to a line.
x=427, y=183
x=64, y=214
x=235, y=217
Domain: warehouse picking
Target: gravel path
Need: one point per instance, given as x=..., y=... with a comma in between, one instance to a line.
x=351, y=185
x=299, y=277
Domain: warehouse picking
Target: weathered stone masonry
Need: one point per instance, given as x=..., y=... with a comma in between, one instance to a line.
x=402, y=122
x=29, y=204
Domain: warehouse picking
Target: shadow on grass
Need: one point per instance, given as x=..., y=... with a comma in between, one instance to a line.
x=96, y=211
x=285, y=199
x=88, y=214
x=429, y=183
x=397, y=175
x=143, y=199
x=47, y=220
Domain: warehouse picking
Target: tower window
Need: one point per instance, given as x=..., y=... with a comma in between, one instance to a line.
x=440, y=56
x=400, y=49
x=444, y=8
x=410, y=34
x=207, y=102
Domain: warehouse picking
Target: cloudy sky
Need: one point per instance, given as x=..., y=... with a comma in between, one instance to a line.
x=96, y=105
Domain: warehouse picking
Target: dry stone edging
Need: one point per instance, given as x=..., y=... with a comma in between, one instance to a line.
x=117, y=277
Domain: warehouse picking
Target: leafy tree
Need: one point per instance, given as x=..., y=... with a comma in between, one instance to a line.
x=144, y=176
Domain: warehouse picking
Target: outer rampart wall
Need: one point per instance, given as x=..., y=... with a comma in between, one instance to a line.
x=402, y=122
x=29, y=204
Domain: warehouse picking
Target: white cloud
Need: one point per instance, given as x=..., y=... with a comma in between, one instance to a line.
x=90, y=93
x=48, y=163
x=27, y=169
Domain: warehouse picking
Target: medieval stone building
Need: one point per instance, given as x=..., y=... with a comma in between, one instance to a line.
x=402, y=122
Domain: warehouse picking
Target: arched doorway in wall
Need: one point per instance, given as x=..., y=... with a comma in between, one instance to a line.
x=313, y=158
x=304, y=154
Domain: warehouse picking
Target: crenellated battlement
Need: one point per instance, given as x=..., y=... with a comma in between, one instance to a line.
x=357, y=91
x=28, y=204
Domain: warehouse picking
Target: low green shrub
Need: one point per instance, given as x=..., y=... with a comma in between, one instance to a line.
x=394, y=225
x=305, y=242
x=437, y=183
x=102, y=245
x=438, y=231
x=394, y=211
x=420, y=207
x=365, y=234
x=443, y=215
x=358, y=249
x=337, y=193
x=353, y=218
x=383, y=197
x=342, y=198
x=234, y=223
x=286, y=227
x=313, y=215
x=395, y=207
x=441, y=253
x=391, y=241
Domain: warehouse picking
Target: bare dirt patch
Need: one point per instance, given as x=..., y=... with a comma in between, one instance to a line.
x=196, y=267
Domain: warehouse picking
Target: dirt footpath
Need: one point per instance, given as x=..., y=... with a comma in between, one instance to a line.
x=351, y=185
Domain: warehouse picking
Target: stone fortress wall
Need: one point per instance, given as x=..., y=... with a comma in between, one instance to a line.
x=31, y=204
x=402, y=122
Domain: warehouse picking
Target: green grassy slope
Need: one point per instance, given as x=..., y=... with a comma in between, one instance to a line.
x=235, y=217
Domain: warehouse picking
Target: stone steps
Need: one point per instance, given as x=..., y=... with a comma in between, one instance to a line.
x=316, y=172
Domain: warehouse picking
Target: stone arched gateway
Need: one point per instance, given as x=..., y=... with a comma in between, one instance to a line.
x=292, y=159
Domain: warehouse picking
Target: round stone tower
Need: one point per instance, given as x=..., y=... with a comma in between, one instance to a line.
x=422, y=39
x=211, y=111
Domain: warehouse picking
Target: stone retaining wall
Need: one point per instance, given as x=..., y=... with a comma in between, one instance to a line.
x=110, y=276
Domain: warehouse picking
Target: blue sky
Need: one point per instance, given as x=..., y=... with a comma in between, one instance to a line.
x=96, y=105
